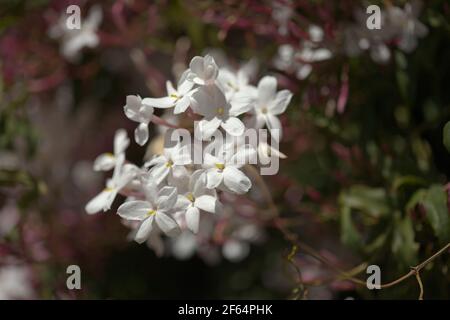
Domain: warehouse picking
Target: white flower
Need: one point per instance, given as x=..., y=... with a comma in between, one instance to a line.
x=74, y=40
x=154, y=212
x=15, y=283
x=408, y=27
x=180, y=98
x=203, y=70
x=358, y=38
x=137, y=111
x=211, y=103
x=196, y=197
x=122, y=175
x=106, y=161
x=233, y=82
x=266, y=152
x=223, y=169
x=300, y=61
x=170, y=164
x=269, y=105
x=282, y=13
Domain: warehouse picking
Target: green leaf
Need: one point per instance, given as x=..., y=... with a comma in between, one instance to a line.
x=368, y=200
x=416, y=198
x=408, y=180
x=435, y=203
x=403, y=245
x=349, y=234
x=447, y=136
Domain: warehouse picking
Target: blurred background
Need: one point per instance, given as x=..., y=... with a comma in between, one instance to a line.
x=366, y=175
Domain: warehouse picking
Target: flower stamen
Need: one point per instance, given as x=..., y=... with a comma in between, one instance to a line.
x=220, y=166
x=169, y=164
x=150, y=213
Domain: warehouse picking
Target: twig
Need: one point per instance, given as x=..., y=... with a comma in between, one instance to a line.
x=292, y=238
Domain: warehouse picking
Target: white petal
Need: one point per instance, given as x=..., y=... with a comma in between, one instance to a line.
x=151, y=191
x=145, y=230
x=104, y=162
x=166, y=224
x=134, y=210
x=274, y=125
x=203, y=101
x=196, y=65
x=141, y=134
x=240, y=103
x=121, y=141
x=193, y=219
x=210, y=161
x=162, y=103
x=100, y=202
x=125, y=177
x=170, y=89
x=206, y=128
x=267, y=88
x=257, y=121
x=233, y=126
x=155, y=160
x=207, y=203
x=156, y=243
x=197, y=182
x=182, y=105
x=179, y=172
x=167, y=198
x=236, y=180
x=182, y=203
x=133, y=104
x=181, y=156
x=159, y=172
x=279, y=105
x=213, y=178
x=245, y=155
x=183, y=85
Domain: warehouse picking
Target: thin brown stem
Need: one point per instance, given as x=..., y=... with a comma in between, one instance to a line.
x=293, y=239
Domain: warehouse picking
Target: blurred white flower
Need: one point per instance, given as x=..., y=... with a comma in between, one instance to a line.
x=136, y=110
x=407, y=25
x=203, y=70
x=269, y=104
x=122, y=175
x=15, y=283
x=74, y=40
x=106, y=161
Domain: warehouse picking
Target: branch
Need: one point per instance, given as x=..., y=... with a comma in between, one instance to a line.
x=293, y=239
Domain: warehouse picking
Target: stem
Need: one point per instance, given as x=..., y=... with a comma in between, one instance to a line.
x=160, y=121
x=293, y=239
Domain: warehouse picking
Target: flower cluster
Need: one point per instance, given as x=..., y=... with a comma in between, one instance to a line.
x=172, y=193
x=399, y=26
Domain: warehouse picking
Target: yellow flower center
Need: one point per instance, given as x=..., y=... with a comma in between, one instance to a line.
x=232, y=86
x=173, y=95
x=109, y=154
x=220, y=111
x=190, y=197
x=150, y=213
x=220, y=166
x=169, y=164
x=108, y=189
x=264, y=110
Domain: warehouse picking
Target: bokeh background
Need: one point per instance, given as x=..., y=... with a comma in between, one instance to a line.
x=366, y=175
